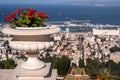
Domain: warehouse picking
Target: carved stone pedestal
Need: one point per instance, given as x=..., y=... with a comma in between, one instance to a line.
x=32, y=41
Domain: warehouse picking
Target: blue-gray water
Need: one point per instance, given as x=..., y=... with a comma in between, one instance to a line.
x=96, y=15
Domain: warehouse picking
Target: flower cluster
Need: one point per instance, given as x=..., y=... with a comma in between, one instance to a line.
x=26, y=18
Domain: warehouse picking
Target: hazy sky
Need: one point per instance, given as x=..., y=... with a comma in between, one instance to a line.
x=49, y=1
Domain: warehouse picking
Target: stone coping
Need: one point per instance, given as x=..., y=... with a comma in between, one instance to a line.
x=6, y=74
x=40, y=72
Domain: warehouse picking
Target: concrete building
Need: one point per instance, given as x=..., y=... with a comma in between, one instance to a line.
x=106, y=32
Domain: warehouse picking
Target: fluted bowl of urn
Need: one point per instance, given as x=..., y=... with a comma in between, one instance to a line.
x=32, y=41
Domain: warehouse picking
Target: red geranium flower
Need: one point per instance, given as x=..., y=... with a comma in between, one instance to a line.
x=12, y=15
x=7, y=19
x=26, y=17
x=32, y=11
x=30, y=15
x=18, y=10
x=42, y=15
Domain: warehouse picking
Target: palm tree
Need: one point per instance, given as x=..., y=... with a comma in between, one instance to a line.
x=103, y=75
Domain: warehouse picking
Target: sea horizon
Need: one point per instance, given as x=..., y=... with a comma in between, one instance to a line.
x=95, y=14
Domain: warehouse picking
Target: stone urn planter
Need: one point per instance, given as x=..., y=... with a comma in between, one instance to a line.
x=32, y=40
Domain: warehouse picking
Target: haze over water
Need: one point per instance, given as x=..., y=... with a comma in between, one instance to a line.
x=96, y=14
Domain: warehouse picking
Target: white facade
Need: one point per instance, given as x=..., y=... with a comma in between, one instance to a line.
x=106, y=32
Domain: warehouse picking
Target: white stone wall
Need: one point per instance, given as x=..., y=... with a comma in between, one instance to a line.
x=115, y=57
x=106, y=32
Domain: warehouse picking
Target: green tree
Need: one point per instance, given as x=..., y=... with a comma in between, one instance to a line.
x=81, y=63
x=92, y=67
x=62, y=65
x=7, y=64
x=114, y=49
x=104, y=75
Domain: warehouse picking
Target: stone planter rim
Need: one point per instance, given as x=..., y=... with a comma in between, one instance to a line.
x=32, y=31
